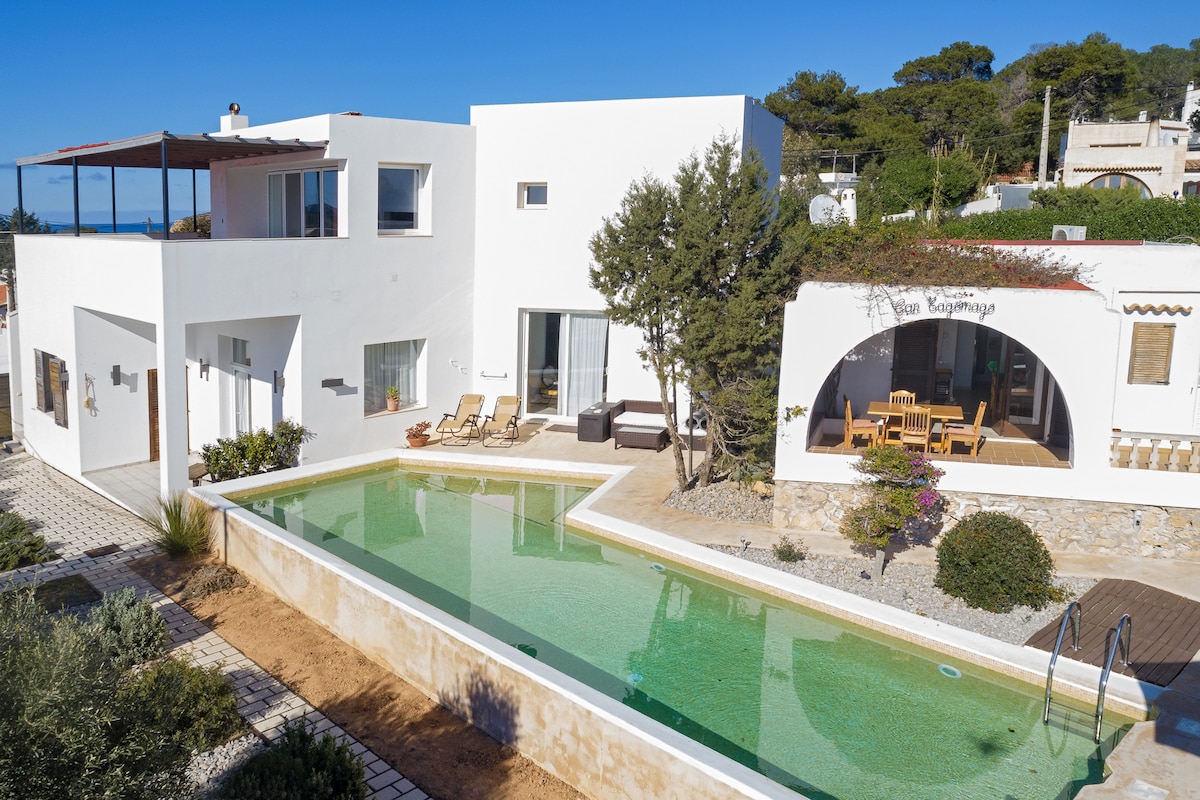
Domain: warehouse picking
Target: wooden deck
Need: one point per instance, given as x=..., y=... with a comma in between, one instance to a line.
x=1165, y=634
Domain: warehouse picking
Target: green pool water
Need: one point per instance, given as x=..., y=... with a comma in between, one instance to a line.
x=818, y=704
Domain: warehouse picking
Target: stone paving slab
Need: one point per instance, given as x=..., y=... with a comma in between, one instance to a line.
x=73, y=519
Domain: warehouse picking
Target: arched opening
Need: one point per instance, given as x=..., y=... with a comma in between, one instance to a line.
x=950, y=363
x=1119, y=180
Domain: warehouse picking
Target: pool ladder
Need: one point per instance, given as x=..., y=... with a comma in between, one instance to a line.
x=1074, y=613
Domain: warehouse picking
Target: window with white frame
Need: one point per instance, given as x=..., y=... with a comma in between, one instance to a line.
x=303, y=203
x=391, y=365
x=51, y=377
x=532, y=195
x=400, y=199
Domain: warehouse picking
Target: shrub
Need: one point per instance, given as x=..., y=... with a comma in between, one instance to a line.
x=66, y=729
x=299, y=767
x=19, y=545
x=790, y=551
x=129, y=631
x=995, y=562
x=196, y=706
x=253, y=452
x=901, y=485
x=180, y=526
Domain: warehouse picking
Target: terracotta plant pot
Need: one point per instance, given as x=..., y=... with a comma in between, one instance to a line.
x=393, y=404
x=418, y=441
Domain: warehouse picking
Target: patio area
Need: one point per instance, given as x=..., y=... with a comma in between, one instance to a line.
x=1013, y=452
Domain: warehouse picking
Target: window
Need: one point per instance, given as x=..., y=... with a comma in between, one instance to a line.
x=531, y=195
x=303, y=203
x=399, y=196
x=51, y=378
x=1150, y=352
x=391, y=364
x=1117, y=180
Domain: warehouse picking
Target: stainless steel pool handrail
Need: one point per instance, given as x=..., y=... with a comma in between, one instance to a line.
x=1062, y=629
x=1124, y=624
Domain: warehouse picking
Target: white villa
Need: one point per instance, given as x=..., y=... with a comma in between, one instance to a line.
x=348, y=254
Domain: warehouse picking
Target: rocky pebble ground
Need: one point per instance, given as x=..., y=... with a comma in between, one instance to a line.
x=209, y=769
x=905, y=586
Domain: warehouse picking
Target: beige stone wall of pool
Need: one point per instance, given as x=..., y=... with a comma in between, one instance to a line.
x=595, y=743
x=1067, y=526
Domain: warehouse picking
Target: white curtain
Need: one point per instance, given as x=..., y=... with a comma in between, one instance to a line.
x=585, y=380
x=389, y=364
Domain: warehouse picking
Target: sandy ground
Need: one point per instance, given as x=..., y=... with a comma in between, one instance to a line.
x=440, y=753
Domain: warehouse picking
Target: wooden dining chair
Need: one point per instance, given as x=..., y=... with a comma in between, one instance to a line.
x=892, y=425
x=916, y=428
x=967, y=434
x=858, y=427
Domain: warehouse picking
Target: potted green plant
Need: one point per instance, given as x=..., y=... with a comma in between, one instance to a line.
x=418, y=435
x=393, y=399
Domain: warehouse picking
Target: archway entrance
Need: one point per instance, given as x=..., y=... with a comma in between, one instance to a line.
x=954, y=362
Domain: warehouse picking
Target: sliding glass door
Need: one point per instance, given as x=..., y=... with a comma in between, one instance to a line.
x=566, y=361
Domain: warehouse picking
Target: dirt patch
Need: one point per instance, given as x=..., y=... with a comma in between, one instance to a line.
x=440, y=753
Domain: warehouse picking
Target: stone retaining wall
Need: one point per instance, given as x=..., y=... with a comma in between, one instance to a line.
x=1067, y=526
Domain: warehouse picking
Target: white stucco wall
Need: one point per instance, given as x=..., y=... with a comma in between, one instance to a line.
x=588, y=154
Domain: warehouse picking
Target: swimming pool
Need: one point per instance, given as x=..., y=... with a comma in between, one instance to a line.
x=810, y=701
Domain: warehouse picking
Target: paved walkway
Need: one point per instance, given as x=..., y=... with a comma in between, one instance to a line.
x=74, y=519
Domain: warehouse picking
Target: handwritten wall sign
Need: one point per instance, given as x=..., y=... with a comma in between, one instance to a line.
x=936, y=305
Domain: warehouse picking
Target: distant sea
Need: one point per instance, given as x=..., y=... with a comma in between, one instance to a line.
x=107, y=227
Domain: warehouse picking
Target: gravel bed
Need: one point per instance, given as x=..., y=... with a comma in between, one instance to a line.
x=910, y=587
x=723, y=501
x=905, y=586
x=209, y=769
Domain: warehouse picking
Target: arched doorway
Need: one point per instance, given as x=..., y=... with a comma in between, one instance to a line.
x=953, y=362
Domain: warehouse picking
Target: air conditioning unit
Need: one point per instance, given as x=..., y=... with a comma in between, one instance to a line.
x=1069, y=233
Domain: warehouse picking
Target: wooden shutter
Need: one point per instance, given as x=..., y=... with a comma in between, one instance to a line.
x=38, y=368
x=1150, y=352
x=58, y=390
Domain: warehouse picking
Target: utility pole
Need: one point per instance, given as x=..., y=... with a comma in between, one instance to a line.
x=1045, y=154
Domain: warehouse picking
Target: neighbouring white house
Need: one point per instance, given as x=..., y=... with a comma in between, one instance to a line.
x=349, y=254
x=1160, y=157
x=1092, y=394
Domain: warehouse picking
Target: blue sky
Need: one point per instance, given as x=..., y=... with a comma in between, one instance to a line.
x=89, y=72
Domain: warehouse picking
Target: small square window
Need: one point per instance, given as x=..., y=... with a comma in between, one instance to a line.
x=532, y=195
x=399, y=198
x=392, y=369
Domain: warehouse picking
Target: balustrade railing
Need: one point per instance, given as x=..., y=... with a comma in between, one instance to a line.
x=1155, y=451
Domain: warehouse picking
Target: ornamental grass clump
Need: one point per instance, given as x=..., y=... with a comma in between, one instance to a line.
x=900, y=490
x=995, y=562
x=180, y=526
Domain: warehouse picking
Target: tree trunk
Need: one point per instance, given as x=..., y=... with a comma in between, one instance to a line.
x=880, y=558
x=673, y=430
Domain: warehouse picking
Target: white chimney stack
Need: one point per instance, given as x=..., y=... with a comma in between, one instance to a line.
x=234, y=121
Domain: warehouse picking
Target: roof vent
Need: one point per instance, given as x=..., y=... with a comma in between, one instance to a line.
x=234, y=121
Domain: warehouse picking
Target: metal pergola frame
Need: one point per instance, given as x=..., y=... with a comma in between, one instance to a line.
x=162, y=150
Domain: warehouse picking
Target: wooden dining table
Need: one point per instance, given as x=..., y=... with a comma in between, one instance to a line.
x=882, y=408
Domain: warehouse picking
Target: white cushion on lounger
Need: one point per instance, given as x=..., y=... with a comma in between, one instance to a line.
x=642, y=418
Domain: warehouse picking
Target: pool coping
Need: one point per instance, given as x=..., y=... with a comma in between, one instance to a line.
x=1125, y=695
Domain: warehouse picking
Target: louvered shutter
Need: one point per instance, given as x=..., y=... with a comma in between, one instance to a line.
x=58, y=390
x=1150, y=352
x=38, y=364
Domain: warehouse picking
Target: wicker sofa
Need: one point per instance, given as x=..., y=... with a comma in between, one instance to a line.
x=639, y=423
